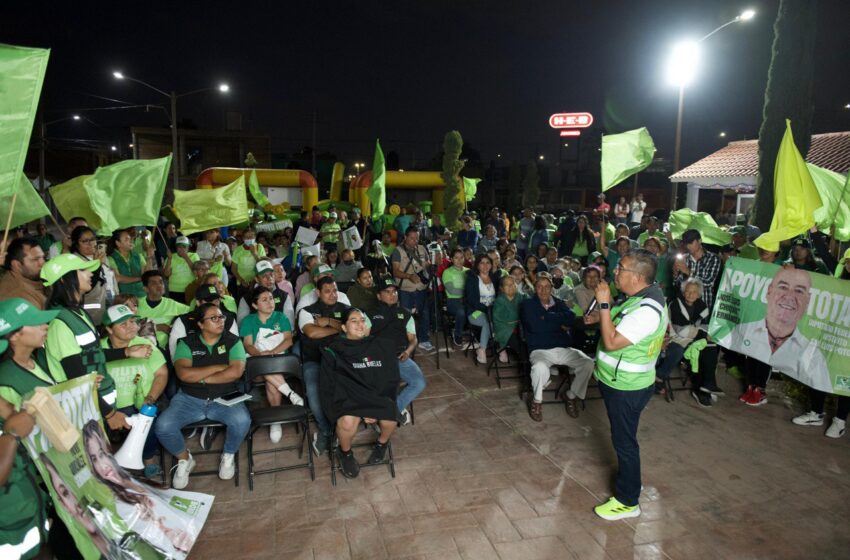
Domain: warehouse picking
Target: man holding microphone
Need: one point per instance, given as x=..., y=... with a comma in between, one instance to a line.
x=631, y=337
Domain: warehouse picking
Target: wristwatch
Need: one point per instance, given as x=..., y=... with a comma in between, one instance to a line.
x=605, y=305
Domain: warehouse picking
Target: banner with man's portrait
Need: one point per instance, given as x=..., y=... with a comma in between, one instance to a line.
x=796, y=321
x=109, y=513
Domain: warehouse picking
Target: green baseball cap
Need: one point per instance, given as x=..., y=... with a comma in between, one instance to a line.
x=60, y=265
x=18, y=312
x=118, y=314
x=263, y=267
x=738, y=230
x=322, y=269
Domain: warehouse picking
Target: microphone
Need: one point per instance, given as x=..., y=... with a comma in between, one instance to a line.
x=590, y=307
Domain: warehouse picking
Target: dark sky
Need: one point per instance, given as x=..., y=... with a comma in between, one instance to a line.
x=408, y=71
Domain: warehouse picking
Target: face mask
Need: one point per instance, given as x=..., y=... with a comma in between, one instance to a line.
x=249, y=242
x=557, y=282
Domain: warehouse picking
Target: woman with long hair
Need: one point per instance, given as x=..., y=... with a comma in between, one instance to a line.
x=454, y=281
x=84, y=245
x=539, y=235
x=127, y=263
x=580, y=242
x=127, y=491
x=479, y=294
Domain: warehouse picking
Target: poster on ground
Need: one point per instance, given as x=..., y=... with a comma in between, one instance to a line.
x=796, y=321
x=109, y=513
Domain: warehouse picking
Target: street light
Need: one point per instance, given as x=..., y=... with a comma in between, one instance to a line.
x=173, y=96
x=681, y=71
x=723, y=135
x=540, y=157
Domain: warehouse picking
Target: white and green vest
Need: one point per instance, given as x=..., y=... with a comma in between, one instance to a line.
x=632, y=368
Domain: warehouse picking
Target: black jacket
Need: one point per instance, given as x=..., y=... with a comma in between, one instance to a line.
x=471, y=293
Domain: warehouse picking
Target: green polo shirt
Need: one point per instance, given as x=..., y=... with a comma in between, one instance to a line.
x=245, y=262
x=237, y=351
x=181, y=272
x=276, y=323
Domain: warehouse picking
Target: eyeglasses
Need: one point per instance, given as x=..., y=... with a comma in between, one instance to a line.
x=88, y=240
x=215, y=318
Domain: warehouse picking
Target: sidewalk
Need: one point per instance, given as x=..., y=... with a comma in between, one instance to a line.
x=477, y=479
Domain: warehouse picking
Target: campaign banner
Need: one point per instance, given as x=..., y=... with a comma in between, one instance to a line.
x=796, y=321
x=351, y=239
x=109, y=513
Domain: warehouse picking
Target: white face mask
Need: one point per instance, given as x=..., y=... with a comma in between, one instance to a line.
x=250, y=242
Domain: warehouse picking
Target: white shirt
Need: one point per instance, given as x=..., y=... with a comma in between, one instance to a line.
x=312, y=297
x=637, y=210
x=639, y=324
x=487, y=292
x=208, y=251
x=798, y=356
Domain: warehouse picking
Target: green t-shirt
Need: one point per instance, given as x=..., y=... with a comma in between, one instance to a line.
x=454, y=281
x=266, y=336
x=134, y=376
x=237, y=351
x=580, y=249
x=181, y=272
x=245, y=262
x=657, y=235
x=60, y=344
x=162, y=314
x=330, y=232
x=306, y=290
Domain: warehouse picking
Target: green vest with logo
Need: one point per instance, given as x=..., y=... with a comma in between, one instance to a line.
x=632, y=368
x=17, y=382
x=91, y=353
x=24, y=508
x=454, y=281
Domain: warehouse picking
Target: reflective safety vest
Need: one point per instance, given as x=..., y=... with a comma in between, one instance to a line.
x=91, y=353
x=454, y=281
x=632, y=368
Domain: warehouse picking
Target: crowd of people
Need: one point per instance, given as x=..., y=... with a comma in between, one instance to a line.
x=168, y=319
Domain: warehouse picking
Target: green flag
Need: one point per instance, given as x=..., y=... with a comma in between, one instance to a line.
x=795, y=196
x=203, y=209
x=470, y=188
x=377, y=191
x=625, y=154
x=128, y=193
x=72, y=200
x=685, y=219
x=21, y=76
x=256, y=193
x=28, y=206
x=834, y=191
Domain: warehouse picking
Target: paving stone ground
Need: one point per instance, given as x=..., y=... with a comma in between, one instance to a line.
x=477, y=479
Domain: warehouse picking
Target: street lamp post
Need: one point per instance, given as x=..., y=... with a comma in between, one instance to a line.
x=681, y=71
x=173, y=96
x=42, y=146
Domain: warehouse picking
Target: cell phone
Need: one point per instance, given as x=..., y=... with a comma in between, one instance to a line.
x=666, y=227
x=234, y=397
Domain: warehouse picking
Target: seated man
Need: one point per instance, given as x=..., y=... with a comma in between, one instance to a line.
x=265, y=277
x=359, y=380
x=158, y=308
x=188, y=322
x=319, y=323
x=393, y=324
x=362, y=292
x=546, y=322
x=209, y=362
x=139, y=381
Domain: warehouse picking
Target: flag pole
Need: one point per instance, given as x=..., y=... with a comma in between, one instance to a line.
x=59, y=227
x=8, y=224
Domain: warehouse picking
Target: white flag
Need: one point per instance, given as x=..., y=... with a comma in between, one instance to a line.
x=351, y=239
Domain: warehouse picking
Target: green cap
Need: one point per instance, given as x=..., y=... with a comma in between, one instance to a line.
x=322, y=269
x=118, y=314
x=385, y=283
x=60, y=265
x=738, y=230
x=16, y=313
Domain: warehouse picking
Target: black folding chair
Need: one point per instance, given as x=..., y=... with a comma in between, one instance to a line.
x=200, y=426
x=264, y=416
x=388, y=458
x=520, y=364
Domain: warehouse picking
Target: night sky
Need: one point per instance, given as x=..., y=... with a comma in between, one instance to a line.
x=408, y=71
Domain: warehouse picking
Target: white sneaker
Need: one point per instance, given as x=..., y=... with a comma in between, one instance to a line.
x=426, y=347
x=503, y=357
x=810, y=418
x=226, y=468
x=836, y=429
x=181, y=476
x=405, y=415
x=481, y=356
x=275, y=432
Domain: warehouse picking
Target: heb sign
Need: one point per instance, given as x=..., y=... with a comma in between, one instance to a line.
x=571, y=120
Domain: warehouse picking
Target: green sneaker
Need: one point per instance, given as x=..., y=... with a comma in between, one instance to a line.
x=735, y=372
x=612, y=510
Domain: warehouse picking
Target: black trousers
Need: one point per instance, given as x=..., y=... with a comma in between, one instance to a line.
x=819, y=397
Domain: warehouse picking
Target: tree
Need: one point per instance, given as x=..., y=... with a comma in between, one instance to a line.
x=452, y=146
x=515, y=189
x=530, y=185
x=788, y=95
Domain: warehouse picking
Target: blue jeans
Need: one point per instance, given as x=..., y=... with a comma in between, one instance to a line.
x=310, y=371
x=624, y=408
x=481, y=321
x=671, y=360
x=151, y=443
x=418, y=301
x=454, y=306
x=184, y=410
x=412, y=375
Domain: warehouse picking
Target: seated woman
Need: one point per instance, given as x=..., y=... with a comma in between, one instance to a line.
x=267, y=332
x=359, y=380
x=533, y=265
x=454, y=281
x=479, y=293
x=688, y=316
x=506, y=319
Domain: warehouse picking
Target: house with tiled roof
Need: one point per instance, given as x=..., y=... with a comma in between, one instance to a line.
x=726, y=179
